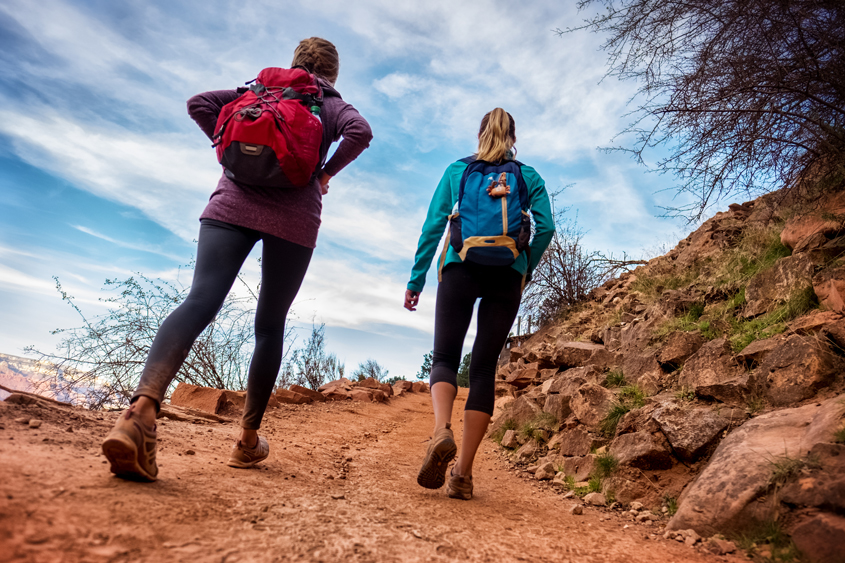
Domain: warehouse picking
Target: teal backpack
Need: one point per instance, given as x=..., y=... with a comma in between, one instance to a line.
x=490, y=223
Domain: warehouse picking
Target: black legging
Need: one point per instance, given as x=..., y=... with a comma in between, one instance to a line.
x=221, y=252
x=500, y=290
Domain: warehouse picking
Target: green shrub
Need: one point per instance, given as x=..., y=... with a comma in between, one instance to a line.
x=611, y=420
x=633, y=395
x=685, y=395
x=594, y=484
x=772, y=534
x=614, y=378
x=671, y=504
x=606, y=464
x=508, y=424
x=839, y=436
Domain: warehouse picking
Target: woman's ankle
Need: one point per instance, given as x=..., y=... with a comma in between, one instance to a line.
x=146, y=410
x=249, y=437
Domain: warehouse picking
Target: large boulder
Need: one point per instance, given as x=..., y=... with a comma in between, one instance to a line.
x=402, y=386
x=775, y=285
x=574, y=354
x=419, y=387
x=712, y=373
x=200, y=398
x=643, y=450
x=722, y=497
x=591, y=403
x=691, y=431
x=823, y=488
x=797, y=369
x=603, y=359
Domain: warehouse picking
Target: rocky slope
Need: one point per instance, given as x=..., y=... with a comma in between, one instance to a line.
x=707, y=384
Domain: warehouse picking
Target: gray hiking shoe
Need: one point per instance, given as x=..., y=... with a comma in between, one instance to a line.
x=244, y=457
x=131, y=448
x=460, y=486
x=441, y=450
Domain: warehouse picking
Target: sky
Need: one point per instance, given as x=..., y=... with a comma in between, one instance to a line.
x=103, y=174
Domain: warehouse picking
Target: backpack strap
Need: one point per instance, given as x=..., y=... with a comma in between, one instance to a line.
x=445, y=249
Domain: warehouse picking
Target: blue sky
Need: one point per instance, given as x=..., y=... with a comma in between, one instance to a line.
x=103, y=174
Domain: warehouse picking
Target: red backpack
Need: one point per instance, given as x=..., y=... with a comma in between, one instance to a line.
x=271, y=135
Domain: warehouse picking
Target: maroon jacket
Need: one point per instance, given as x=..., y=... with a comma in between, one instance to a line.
x=291, y=214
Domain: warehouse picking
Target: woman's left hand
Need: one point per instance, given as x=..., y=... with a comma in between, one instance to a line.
x=324, y=182
x=411, y=299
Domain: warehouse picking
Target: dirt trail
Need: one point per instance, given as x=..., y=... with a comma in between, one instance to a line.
x=58, y=502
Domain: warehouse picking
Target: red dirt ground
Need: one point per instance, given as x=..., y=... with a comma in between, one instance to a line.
x=340, y=485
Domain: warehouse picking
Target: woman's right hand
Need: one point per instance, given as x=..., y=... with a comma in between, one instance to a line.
x=412, y=298
x=324, y=182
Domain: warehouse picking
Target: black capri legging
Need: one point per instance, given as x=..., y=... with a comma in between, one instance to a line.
x=221, y=252
x=500, y=290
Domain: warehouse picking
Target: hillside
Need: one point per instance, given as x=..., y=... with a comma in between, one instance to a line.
x=707, y=384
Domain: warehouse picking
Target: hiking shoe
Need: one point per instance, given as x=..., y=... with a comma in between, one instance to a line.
x=460, y=486
x=130, y=448
x=441, y=450
x=244, y=457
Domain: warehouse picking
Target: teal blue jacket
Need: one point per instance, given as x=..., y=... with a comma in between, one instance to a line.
x=444, y=199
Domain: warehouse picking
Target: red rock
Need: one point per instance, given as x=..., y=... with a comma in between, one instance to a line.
x=829, y=285
x=516, y=353
x=813, y=322
x=574, y=354
x=522, y=378
x=420, y=387
x=369, y=383
x=679, y=347
x=310, y=393
x=797, y=369
x=591, y=403
x=724, y=495
x=822, y=222
x=753, y=354
x=337, y=394
x=821, y=538
x=542, y=355
x=692, y=431
x=386, y=388
x=773, y=287
x=712, y=372
x=342, y=382
x=644, y=370
x=364, y=395
x=573, y=441
x=557, y=405
x=402, y=385
x=201, y=398
x=642, y=450
x=504, y=389
x=291, y=397
x=603, y=359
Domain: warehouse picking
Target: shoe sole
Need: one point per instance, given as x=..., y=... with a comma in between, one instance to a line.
x=458, y=495
x=123, y=457
x=433, y=472
x=244, y=464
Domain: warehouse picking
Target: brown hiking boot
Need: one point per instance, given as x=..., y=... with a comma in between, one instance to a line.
x=244, y=457
x=131, y=448
x=460, y=486
x=441, y=450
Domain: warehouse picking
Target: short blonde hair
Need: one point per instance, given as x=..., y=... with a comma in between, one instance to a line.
x=496, y=136
x=319, y=57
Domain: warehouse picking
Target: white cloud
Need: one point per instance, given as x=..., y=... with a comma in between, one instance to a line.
x=124, y=244
x=164, y=175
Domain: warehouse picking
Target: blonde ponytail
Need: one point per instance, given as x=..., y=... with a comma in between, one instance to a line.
x=496, y=135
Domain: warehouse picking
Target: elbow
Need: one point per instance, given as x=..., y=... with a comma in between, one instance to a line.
x=195, y=105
